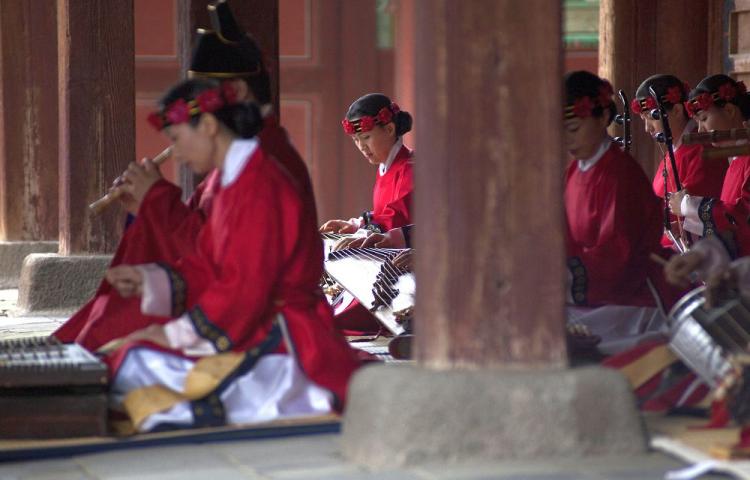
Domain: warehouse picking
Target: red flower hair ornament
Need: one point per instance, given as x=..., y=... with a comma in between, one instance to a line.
x=699, y=103
x=646, y=104
x=181, y=111
x=367, y=122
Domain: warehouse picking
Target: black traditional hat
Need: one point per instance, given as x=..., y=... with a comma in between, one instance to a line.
x=226, y=51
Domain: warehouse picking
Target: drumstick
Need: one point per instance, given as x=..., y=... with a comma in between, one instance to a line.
x=100, y=205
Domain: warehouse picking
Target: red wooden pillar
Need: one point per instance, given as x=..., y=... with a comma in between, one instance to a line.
x=489, y=185
x=639, y=38
x=28, y=121
x=96, y=116
x=405, y=57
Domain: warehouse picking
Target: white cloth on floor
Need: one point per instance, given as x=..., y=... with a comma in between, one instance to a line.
x=620, y=327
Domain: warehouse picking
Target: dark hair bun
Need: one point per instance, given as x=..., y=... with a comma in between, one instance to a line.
x=402, y=120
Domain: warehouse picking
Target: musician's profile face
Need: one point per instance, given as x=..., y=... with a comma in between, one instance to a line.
x=652, y=126
x=583, y=136
x=716, y=118
x=376, y=144
x=192, y=147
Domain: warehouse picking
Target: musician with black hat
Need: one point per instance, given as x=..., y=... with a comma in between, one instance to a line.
x=163, y=228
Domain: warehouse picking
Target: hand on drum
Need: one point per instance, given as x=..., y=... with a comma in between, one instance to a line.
x=721, y=286
x=338, y=226
x=679, y=269
x=675, y=202
x=126, y=279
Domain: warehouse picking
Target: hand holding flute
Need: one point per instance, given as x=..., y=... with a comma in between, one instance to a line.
x=131, y=187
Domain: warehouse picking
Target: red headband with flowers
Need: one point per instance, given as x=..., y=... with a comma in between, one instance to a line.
x=584, y=106
x=673, y=96
x=368, y=122
x=726, y=92
x=181, y=111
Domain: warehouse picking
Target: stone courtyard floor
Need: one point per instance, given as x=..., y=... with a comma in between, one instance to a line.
x=292, y=458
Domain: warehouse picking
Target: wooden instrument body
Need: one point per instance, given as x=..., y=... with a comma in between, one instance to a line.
x=51, y=390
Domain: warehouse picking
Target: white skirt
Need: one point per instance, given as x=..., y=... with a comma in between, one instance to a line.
x=274, y=388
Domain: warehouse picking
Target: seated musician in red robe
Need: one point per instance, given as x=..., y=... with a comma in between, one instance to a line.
x=719, y=102
x=614, y=224
x=250, y=335
x=698, y=176
x=376, y=126
x=164, y=228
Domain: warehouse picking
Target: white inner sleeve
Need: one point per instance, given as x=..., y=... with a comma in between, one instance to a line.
x=157, y=291
x=182, y=336
x=689, y=210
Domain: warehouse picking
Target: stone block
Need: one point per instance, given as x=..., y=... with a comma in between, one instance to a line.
x=52, y=283
x=11, y=259
x=400, y=415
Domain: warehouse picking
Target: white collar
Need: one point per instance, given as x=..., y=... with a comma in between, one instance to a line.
x=238, y=155
x=391, y=156
x=586, y=164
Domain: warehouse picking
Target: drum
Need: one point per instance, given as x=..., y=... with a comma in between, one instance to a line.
x=691, y=341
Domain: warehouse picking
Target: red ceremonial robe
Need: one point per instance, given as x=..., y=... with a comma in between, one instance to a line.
x=614, y=224
x=391, y=199
x=166, y=230
x=242, y=276
x=699, y=176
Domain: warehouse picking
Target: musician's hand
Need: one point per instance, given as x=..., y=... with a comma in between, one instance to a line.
x=338, y=226
x=126, y=279
x=125, y=198
x=348, y=242
x=393, y=238
x=152, y=333
x=679, y=268
x=404, y=260
x=720, y=286
x=675, y=202
x=138, y=180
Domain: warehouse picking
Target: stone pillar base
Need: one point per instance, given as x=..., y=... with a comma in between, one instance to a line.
x=405, y=415
x=12, y=255
x=52, y=283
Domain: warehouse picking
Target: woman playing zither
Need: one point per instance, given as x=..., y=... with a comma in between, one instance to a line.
x=247, y=298
x=376, y=125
